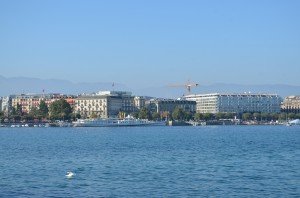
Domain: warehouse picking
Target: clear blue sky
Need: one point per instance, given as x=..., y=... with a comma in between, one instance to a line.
x=152, y=43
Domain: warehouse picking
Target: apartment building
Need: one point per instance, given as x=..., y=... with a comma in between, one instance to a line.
x=237, y=103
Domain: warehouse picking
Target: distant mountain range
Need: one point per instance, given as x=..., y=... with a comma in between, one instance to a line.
x=18, y=85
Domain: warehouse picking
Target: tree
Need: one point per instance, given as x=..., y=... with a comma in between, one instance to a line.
x=60, y=110
x=229, y=115
x=144, y=113
x=43, y=109
x=220, y=115
x=34, y=113
x=16, y=113
x=2, y=116
x=199, y=116
x=165, y=115
x=75, y=116
x=247, y=116
x=188, y=115
x=257, y=116
x=292, y=116
x=208, y=116
x=265, y=116
x=155, y=116
x=19, y=110
x=135, y=114
x=178, y=114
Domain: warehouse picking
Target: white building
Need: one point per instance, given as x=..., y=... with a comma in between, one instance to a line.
x=6, y=104
x=237, y=103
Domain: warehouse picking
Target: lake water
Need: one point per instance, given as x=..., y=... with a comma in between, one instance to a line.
x=222, y=161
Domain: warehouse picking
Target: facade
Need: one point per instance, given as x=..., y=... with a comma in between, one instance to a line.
x=236, y=103
x=28, y=101
x=105, y=104
x=168, y=105
x=291, y=104
x=139, y=102
x=6, y=104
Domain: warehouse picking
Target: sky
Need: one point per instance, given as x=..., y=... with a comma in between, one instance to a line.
x=152, y=43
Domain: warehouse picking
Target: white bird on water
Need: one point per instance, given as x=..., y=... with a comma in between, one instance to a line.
x=70, y=174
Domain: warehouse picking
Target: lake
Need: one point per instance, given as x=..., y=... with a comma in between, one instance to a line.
x=204, y=161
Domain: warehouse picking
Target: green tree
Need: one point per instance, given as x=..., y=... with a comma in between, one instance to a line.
x=43, y=109
x=135, y=114
x=2, y=116
x=265, y=116
x=220, y=115
x=178, y=114
x=144, y=113
x=19, y=110
x=155, y=116
x=292, y=116
x=60, y=110
x=75, y=116
x=188, y=115
x=208, y=116
x=257, y=116
x=16, y=113
x=229, y=115
x=199, y=116
x=247, y=116
x=282, y=116
x=34, y=113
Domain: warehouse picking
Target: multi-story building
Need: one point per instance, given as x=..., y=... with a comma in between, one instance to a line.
x=168, y=105
x=105, y=104
x=139, y=102
x=236, y=103
x=6, y=104
x=28, y=101
x=0, y=103
x=291, y=104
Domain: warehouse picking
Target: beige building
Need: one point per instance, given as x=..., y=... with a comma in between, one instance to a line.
x=139, y=102
x=291, y=104
x=104, y=104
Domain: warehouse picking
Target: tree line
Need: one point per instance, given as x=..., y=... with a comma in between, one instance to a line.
x=61, y=110
x=182, y=115
x=57, y=110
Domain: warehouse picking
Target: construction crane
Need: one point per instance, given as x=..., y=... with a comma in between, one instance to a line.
x=188, y=85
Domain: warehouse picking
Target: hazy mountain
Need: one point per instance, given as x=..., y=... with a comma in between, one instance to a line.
x=17, y=85
x=282, y=90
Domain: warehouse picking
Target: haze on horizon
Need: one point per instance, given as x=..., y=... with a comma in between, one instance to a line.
x=152, y=43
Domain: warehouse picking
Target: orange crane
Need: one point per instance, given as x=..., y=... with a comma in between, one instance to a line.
x=188, y=85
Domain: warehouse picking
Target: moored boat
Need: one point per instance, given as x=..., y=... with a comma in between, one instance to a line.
x=112, y=122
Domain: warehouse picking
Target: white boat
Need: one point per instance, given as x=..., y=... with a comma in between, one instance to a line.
x=294, y=122
x=112, y=122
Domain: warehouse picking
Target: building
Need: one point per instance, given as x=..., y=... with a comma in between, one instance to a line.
x=236, y=103
x=139, y=102
x=0, y=103
x=168, y=105
x=28, y=101
x=291, y=104
x=105, y=104
x=6, y=104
